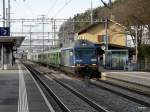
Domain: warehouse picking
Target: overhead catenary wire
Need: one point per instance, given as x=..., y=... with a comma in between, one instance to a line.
x=24, y=10
x=67, y=3
x=29, y=8
x=52, y=7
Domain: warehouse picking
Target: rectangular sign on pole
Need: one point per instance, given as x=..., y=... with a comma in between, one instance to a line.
x=4, y=31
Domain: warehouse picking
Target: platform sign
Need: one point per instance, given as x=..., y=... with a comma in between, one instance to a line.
x=4, y=31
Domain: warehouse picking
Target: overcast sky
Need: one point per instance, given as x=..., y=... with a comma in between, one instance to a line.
x=52, y=8
x=62, y=9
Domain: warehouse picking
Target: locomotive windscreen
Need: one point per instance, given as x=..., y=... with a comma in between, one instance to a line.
x=85, y=52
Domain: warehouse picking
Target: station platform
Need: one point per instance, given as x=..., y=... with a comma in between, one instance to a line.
x=19, y=92
x=142, y=78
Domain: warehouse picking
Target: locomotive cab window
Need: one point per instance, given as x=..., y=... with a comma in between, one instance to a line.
x=85, y=52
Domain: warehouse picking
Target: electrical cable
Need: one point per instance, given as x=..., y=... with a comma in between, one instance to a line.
x=67, y=3
x=52, y=7
x=25, y=11
x=29, y=8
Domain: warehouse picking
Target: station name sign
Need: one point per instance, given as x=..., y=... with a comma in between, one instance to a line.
x=4, y=31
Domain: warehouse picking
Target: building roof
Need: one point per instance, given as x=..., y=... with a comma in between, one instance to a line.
x=16, y=40
x=97, y=23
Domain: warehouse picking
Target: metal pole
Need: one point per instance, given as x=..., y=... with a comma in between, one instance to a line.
x=91, y=12
x=22, y=25
x=73, y=26
x=8, y=13
x=54, y=33
x=43, y=30
x=2, y=56
x=30, y=39
x=136, y=45
x=106, y=33
x=7, y=17
x=63, y=39
x=3, y=13
x=48, y=40
x=110, y=3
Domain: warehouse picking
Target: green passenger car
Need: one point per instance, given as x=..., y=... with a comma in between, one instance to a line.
x=54, y=58
x=50, y=58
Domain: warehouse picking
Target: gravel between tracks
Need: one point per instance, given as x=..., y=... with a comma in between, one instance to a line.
x=128, y=84
x=103, y=97
x=74, y=103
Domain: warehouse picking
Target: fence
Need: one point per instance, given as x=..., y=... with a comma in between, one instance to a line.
x=143, y=65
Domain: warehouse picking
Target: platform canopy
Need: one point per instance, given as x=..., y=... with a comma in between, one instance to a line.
x=15, y=40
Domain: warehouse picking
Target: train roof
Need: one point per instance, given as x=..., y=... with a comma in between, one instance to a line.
x=82, y=43
x=54, y=50
x=46, y=52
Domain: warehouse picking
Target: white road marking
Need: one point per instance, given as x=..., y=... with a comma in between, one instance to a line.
x=22, y=102
x=46, y=100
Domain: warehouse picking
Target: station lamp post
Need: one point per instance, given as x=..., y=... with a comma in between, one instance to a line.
x=108, y=5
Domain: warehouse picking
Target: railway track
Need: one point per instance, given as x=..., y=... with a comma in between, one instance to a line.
x=94, y=106
x=48, y=89
x=124, y=91
x=97, y=93
x=139, y=96
x=127, y=96
x=130, y=86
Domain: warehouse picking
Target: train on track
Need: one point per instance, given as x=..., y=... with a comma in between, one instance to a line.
x=72, y=58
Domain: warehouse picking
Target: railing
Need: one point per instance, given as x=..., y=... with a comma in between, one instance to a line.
x=141, y=66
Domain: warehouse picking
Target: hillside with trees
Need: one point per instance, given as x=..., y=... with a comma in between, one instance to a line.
x=126, y=12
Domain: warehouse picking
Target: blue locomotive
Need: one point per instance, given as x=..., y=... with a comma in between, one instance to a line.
x=72, y=58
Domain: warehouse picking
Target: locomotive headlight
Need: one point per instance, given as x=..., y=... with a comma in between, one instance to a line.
x=93, y=60
x=94, y=64
x=78, y=64
x=78, y=60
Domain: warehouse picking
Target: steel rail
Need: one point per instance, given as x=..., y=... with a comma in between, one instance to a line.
x=49, y=90
x=80, y=95
x=122, y=94
x=144, y=93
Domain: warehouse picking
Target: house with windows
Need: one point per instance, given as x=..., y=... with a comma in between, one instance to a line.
x=116, y=56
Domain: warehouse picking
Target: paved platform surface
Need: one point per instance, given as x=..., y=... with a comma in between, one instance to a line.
x=142, y=78
x=19, y=92
x=9, y=91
